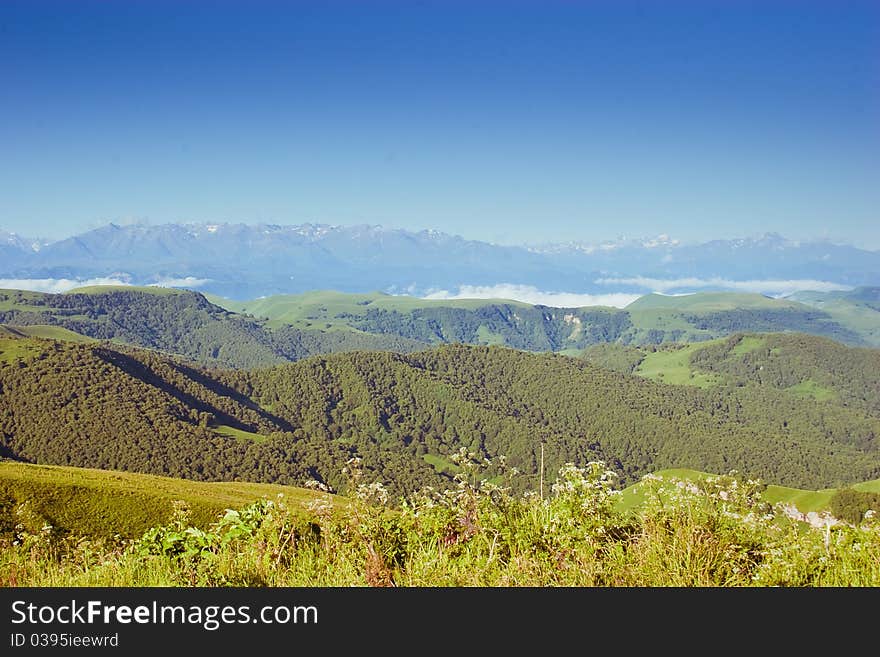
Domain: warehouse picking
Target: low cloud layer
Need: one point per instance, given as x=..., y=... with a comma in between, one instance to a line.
x=55, y=285
x=532, y=295
x=769, y=287
x=187, y=281
x=59, y=285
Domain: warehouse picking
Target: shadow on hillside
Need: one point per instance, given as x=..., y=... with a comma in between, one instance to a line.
x=141, y=371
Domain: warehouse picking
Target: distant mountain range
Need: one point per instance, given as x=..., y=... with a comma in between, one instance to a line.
x=241, y=261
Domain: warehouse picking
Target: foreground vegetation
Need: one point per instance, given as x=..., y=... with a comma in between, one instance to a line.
x=714, y=531
x=103, y=503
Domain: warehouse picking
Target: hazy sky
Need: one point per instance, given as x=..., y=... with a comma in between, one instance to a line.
x=504, y=121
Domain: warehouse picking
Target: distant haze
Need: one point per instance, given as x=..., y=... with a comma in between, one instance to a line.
x=243, y=261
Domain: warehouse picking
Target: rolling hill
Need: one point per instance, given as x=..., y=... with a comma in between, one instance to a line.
x=107, y=504
x=221, y=333
x=652, y=319
x=406, y=415
x=801, y=365
x=104, y=503
x=177, y=322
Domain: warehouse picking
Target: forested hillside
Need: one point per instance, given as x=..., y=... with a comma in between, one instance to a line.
x=99, y=406
x=802, y=364
x=181, y=322
x=289, y=328
x=652, y=319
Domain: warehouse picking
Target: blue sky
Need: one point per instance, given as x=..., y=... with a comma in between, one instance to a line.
x=504, y=121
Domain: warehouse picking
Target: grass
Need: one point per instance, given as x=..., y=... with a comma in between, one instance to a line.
x=474, y=534
x=812, y=390
x=101, y=503
x=16, y=348
x=441, y=464
x=48, y=332
x=319, y=308
x=238, y=434
x=709, y=302
x=748, y=344
x=805, y=500
x=673, y=366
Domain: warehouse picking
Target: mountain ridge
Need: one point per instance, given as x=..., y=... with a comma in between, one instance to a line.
x=241, y=261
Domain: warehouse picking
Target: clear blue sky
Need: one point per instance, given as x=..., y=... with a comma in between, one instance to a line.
x=505, y=121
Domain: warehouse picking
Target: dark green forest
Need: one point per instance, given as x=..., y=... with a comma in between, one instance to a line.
x=407, y=415
x=777, y=319
x=784, y=361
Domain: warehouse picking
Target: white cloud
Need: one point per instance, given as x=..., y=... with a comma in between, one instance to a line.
x=55, y=285
x=532, y=295
x=187, y=281
x=59, y=285
x=769, y=287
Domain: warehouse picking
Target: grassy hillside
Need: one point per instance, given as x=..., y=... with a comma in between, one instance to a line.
x=102, y=503
x=673, y=365
x=807, y=366
x=144, y=289
x=720, y=534
x=805, y=501
x=708, y=302
x=804, y=366
x=652, y=319
x=858, y=309
x=328, y=308
x=288, y=328
x=706, y=315
x=44, y=331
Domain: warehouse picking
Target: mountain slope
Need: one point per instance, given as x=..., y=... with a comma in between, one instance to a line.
x=407, y=415
x=652, y=319
x=104, y=503
x=180, y=322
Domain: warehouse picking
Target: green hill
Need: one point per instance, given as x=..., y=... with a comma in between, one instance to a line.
x=858, y=309
x=103, y=503
x=801, y=365
x=288, y=328
x=708, y=302
x=652, y=319
x=322, y=307
x=178, y=322
x=93, y=405
x=707, y=315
